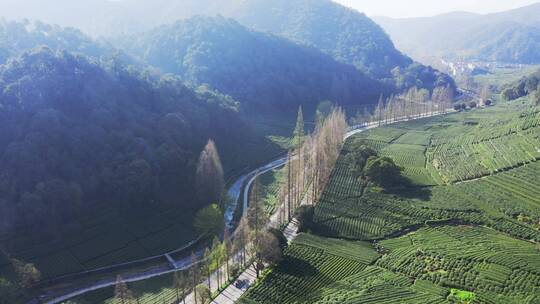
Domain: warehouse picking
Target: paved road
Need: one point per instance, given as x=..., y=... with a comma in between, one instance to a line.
x=232, y=293
x=186, y=262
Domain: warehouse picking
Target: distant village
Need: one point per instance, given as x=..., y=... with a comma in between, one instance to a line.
x=462, y=67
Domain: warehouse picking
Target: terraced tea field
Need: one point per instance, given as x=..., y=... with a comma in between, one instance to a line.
x=466, y=230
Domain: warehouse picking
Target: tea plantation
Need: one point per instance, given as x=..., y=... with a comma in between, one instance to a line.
x=465, y=229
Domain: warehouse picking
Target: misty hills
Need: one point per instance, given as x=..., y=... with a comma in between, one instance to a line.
x=512, y=36
x=18, y=37
x=261, y=71
x=347, y=35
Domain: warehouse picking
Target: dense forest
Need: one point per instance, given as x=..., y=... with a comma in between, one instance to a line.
x=345, y=34
x=77, y=131
x=16, y=37
x=224, y=54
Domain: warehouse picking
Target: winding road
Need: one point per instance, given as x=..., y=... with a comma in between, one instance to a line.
x=235, y=191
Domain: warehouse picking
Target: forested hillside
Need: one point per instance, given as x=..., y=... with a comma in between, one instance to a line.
x=510, y=36
x=259, y=70
x=77, y=132
x=345, y=34
x=16, y=37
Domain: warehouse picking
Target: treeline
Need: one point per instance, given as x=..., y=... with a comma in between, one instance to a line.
x=258, y=241
x=20, y=36
x=415, y=102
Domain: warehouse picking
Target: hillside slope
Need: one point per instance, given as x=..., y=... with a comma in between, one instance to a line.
x=511, y=36
x=345, y=34
x=77, y=135
x=257, y=69
x=17, y=37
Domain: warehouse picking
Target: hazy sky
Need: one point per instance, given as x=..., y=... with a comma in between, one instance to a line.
x=417, y=8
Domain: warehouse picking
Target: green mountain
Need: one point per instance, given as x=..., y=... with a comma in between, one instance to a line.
x=512, y=36
x=345, y=34
x=257, y=69
x=16, y=37
x=78, y=134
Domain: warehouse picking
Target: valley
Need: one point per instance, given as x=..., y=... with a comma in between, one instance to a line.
x=268, y=152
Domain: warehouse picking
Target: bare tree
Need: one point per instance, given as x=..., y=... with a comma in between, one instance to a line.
x=209, y=177
x=180, y=285
x=122, y=294
x=227, y=248
x=204, y=294
x=257, y=218
x=194, y=274
x=207, y=265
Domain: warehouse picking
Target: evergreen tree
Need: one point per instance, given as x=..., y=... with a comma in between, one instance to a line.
x=299, y=133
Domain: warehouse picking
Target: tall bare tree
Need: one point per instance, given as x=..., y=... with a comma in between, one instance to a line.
x=122, y=294
x=209, y=177
x=194, y=274
x=180, y=285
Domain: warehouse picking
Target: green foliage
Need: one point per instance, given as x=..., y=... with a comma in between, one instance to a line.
x=9, y=292
x=287, y=75
x=102, y=157
x=358, y=157
x=17, y=37
x=383, y=171
x=271, y=183
x=204, y=295
x=209, y=220
x=309, y=264
x=462, y=296
x=431, y=239
x=304, y=215
x=525, y=86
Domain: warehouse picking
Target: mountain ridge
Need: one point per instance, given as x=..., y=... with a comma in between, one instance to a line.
x=508, y=36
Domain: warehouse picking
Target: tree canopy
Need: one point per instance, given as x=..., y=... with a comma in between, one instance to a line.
x=383, y=171
x=209, y=220
x=257, y=69
x=76, y=132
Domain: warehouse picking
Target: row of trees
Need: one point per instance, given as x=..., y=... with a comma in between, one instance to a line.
x=310, y=162
x=413, y=103
x=308, y=168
